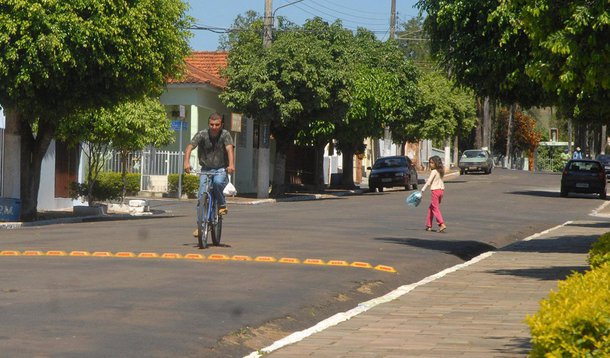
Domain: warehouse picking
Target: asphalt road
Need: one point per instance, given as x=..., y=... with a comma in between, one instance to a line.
x=133, y=307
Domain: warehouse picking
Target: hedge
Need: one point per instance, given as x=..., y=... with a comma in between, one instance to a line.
x=600, y=251
x=108, y=186
x=190, y=184
x=575, y=320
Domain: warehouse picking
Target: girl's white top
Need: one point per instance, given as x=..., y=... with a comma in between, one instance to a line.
x=434, y=181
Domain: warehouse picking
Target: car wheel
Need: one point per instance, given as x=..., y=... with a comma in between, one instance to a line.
x=564, y=192
x=407, y=187
x=462, y=172
x=602, y=195
x=414, y=186
x=380, y=189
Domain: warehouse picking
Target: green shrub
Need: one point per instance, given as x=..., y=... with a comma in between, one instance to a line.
x=108, y=187
x=600, y=251
x=190, y=184
x=575, y=320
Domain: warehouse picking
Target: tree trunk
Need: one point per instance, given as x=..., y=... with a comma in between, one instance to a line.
x=278, y=187
x=456, y=150
x=486, y=124
x=509, y=131
x=33, y=150
x=124, y=155
x=347, y=178
x=319, y=168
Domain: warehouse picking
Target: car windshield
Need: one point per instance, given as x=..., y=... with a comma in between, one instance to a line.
x=584, y=166
x=390, y=163
x=474, y=154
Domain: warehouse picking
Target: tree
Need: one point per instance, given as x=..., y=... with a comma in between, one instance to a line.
x=569, y=49
x=59, y=57
x=478, y=45
x=290, y=84
x=127, y=126
x=445, y=110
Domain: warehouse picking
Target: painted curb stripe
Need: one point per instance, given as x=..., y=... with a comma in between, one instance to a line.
x=193, y=257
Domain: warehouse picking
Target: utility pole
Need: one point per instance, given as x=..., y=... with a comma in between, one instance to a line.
x=268, y=24
x=393, y=20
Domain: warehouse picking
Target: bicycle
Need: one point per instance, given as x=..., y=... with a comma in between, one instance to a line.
x=209, y=222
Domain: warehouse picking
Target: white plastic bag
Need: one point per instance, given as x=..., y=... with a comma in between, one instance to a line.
x=230, y=189
x=414, y=199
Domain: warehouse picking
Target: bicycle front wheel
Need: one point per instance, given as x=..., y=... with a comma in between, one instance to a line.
x=203, y=227
x=216, y=228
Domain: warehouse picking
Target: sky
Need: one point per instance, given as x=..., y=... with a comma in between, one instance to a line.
x=371, y=14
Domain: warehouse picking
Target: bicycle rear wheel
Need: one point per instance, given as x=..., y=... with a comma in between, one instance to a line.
x=216, y=228
x=203, y=224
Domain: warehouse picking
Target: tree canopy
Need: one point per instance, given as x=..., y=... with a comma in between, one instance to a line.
x=58, y=57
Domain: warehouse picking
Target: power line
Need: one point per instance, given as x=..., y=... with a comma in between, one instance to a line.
x=318, y=11
x=347, y=14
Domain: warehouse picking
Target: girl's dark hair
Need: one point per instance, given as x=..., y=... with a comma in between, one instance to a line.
x=438, y=164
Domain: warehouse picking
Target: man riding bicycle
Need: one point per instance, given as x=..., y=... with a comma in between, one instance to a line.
x=215, y=151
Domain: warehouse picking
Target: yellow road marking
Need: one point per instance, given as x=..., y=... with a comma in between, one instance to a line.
x=213, y=257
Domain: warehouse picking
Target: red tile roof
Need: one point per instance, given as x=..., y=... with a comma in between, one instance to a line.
x=204, y=67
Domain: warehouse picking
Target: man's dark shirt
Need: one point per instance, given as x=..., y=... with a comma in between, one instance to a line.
x=212, y=151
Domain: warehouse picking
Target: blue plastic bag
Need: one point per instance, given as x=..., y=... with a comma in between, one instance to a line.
x=414, y=199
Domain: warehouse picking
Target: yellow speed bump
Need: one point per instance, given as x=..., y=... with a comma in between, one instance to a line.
x=361, y=264
x=218, y=257
x=265, y=259
x=10, y=253
x=314, y=262
x=385, y=268
x=148, y=255
x=102, y=254
x=56, y=253
x=80, y=253
x=33, y=253
x=194, y=257
x=337, y=263
x=289, y=260
x=241, y=258
x=171, y=255
x=125, y=254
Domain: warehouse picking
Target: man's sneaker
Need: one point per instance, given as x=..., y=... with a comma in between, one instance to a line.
x=196, y=232
x=223, y=210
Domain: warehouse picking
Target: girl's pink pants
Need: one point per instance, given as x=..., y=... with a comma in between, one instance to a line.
x=434, y=208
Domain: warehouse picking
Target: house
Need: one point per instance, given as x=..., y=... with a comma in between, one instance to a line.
x=197, y=93
x=59, y=168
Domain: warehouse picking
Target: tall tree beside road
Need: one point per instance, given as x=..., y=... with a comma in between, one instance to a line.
x=289, y=84
x=569, y=48
x=58, y=57
x=445, y=110
x=126, y=127
x=476, y=45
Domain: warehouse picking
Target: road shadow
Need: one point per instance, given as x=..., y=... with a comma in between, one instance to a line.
x=552, y=273
x=465, y=250
x=540, y=193
x=591, y=224
x=580, y=244
x=516, y=347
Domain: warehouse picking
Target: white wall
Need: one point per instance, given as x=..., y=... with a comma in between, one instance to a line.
x=46, y=191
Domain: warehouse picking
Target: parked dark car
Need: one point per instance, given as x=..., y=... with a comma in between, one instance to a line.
x=605, y=160
x=476, y=160
x=393, y=171
x=583, y=176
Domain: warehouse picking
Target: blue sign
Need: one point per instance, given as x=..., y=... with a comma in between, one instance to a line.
x=176, y=125
x=10, y=209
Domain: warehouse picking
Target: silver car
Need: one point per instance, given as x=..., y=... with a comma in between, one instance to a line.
x=476, y=160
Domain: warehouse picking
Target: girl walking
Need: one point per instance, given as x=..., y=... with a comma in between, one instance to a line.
x=437, y=187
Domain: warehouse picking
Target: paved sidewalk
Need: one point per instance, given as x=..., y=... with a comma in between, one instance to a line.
x=477, y=310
